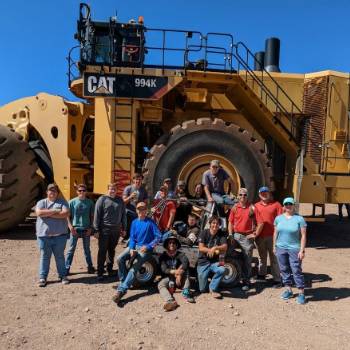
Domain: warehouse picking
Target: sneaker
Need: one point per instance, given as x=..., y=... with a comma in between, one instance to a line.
x=187, y=295
x=118, y=296
x=91, y=270
x=301, y=299
x=42, y=282
x=65, y=280
x=215, y=295
x=287, y=294
x=170, y=305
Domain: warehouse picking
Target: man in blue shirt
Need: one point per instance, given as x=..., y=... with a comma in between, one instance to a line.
x=80, y=225
x=144, y=235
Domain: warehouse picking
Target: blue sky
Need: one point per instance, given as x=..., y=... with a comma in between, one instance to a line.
x=36, y=35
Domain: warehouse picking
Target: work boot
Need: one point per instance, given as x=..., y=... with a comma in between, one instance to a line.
x=170, y=305
x=91, y=270
x=215, y=295
x=118, y=296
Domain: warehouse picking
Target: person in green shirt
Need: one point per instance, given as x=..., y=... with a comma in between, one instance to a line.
x=80, y=226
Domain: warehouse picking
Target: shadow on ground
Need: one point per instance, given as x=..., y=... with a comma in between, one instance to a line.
x=327, y=293
x=25, y=231
x=330, y=234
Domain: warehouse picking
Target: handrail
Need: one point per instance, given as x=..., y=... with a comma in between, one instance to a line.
x=200, y=45
x=303, y=140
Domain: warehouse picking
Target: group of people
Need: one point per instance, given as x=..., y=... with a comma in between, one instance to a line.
x=277, y=232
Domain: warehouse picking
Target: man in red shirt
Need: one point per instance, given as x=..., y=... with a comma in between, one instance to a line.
x=242, y=225
x=164, y=211
x=267, y=210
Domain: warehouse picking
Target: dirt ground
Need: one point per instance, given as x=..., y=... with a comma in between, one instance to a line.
x=82, y=315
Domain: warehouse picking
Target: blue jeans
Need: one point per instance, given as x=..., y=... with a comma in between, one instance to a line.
x=203, y=274
x=127, y=277
x=222, y=199
x=72, y=246
x=290, y=267
x=47, y=246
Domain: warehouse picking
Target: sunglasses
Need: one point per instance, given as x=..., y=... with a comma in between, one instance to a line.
x=288, y=204
x=81, y=191
x=243, y=195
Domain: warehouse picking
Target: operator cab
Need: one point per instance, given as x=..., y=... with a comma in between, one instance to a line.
x=110, y=43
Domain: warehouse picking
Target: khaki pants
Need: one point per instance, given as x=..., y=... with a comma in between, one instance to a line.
x=265, y=247
x=247, y=246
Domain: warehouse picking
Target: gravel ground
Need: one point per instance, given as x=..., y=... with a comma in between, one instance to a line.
x=82, y=315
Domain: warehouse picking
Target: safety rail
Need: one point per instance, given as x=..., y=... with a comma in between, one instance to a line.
x=266, y=95
x=300, y=135
x=198, y=53
x=86, y=53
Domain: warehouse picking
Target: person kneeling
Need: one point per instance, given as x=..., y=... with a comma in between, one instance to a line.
x=212, y=245
x=144, y=235
x=174, y=267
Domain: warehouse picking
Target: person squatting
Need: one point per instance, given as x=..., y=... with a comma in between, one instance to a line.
x=176, y=219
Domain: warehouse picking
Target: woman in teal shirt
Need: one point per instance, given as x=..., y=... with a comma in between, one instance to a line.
x=289, y=243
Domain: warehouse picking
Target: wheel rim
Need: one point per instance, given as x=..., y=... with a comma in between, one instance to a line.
x=145, y=273
x=231, y=273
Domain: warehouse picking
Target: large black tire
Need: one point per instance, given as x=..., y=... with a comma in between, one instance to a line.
x=205, y=136
x=19, y=183
x=146, y=275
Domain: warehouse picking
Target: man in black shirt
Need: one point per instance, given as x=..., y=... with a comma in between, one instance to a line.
x=188, y=233
x=212, y=246
x=109, y=223
x=183, y=206
x=174, y=267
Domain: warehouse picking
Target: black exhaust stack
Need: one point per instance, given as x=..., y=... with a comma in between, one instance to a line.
x=272, y=55
x=259, y=60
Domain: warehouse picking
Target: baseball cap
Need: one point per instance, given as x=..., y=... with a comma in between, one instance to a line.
x=168, y=179
x=52, y=186
x=288, y=200
x=141, y=205
x=181, y=183
x=215, y=162
x=264, y=189
x=243, y=190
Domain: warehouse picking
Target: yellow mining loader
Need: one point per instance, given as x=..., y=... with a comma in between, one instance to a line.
x=166, y=102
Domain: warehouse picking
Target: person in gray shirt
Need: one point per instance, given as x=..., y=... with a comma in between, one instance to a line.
x=109, y=223
x=51, y=231
x=213, y=181
x=132, y=195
